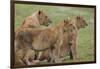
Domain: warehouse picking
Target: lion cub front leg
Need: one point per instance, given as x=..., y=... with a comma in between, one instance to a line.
x=73, y=51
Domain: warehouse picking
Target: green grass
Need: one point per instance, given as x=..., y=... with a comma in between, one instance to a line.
x=57, y=13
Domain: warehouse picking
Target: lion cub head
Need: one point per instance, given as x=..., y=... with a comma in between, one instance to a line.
x=44, y=19
x=36, y=19
x=80, y=22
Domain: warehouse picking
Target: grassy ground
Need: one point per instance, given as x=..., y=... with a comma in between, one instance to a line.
x=86, y=35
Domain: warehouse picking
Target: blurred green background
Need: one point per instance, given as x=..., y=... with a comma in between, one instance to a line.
x=58, y=13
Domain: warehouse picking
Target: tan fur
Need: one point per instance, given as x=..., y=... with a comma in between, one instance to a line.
x=45, y=38
x=48, y=37
x=62, y=37
x=35, y=20
x=24, y=55
x=70, y=37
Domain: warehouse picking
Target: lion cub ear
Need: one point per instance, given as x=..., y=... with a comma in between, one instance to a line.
x=66, y=21
x=39, y=12
x=78, y=17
